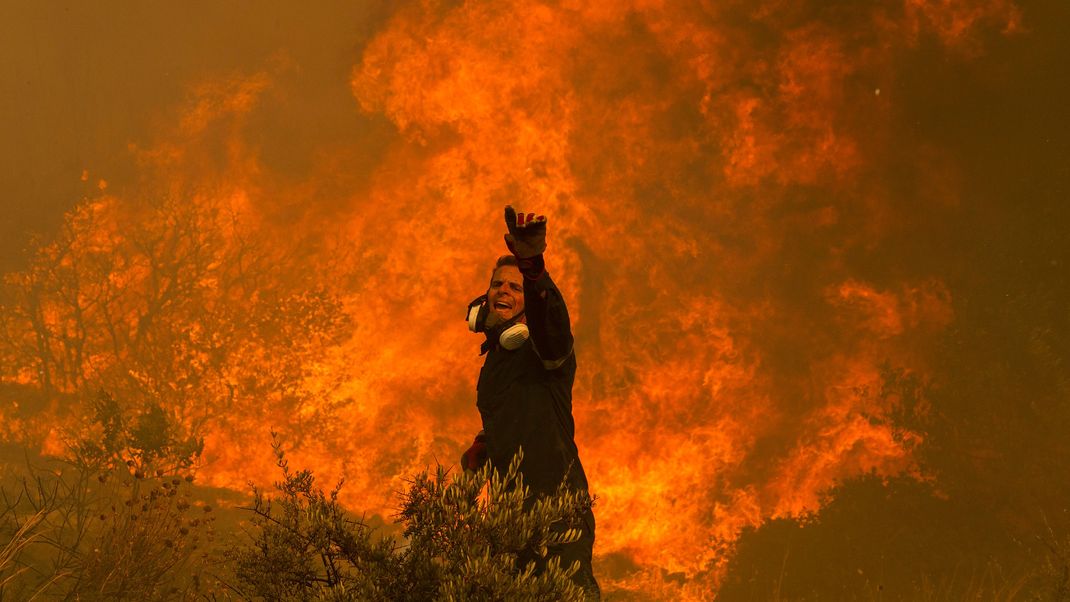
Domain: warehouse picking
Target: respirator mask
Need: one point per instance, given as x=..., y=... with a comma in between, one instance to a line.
x=511, y=335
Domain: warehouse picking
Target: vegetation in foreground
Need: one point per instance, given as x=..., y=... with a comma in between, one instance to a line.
x=119, y=520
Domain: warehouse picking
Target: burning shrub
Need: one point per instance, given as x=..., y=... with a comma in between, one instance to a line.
x=174, y=303
x=149, y=443
x=467, y=537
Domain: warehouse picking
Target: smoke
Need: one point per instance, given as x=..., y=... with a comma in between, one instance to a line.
x=83, y=82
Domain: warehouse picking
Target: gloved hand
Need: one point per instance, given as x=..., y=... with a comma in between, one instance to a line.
x=527, y=233
x=476, y=456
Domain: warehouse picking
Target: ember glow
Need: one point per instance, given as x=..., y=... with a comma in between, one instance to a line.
x=717, y=179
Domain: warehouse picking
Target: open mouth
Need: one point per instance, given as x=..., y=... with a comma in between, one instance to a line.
x=502, y=305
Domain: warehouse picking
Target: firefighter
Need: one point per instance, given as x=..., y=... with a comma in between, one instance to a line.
x=524, y=394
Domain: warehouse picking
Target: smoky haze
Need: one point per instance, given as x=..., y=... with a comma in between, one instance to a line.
x=82, y=83
x=814, y=254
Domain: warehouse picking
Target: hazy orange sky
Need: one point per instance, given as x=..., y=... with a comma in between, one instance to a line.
x=81, y=83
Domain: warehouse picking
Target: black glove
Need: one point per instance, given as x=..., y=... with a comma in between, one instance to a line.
x=526, y=241
x=476, y=456
x=527, y=233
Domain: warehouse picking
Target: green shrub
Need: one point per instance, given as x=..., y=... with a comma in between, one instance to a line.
x=469, y=536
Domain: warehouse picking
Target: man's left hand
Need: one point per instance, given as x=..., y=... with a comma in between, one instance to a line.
x=527, y=233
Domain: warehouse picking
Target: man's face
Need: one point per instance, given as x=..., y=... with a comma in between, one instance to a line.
x=505, y=296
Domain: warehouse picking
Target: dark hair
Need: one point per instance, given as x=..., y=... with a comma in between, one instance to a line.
x=503, y=261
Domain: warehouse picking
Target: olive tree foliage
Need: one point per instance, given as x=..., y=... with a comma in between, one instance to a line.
x=177, y=302
x=469, y=536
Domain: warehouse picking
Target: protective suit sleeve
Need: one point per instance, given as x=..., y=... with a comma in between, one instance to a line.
x=547, y=319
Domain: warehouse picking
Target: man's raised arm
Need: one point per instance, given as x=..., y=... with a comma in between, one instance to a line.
x=544, y=308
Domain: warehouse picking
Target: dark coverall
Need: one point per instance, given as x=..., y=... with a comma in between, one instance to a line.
x=525, y=399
